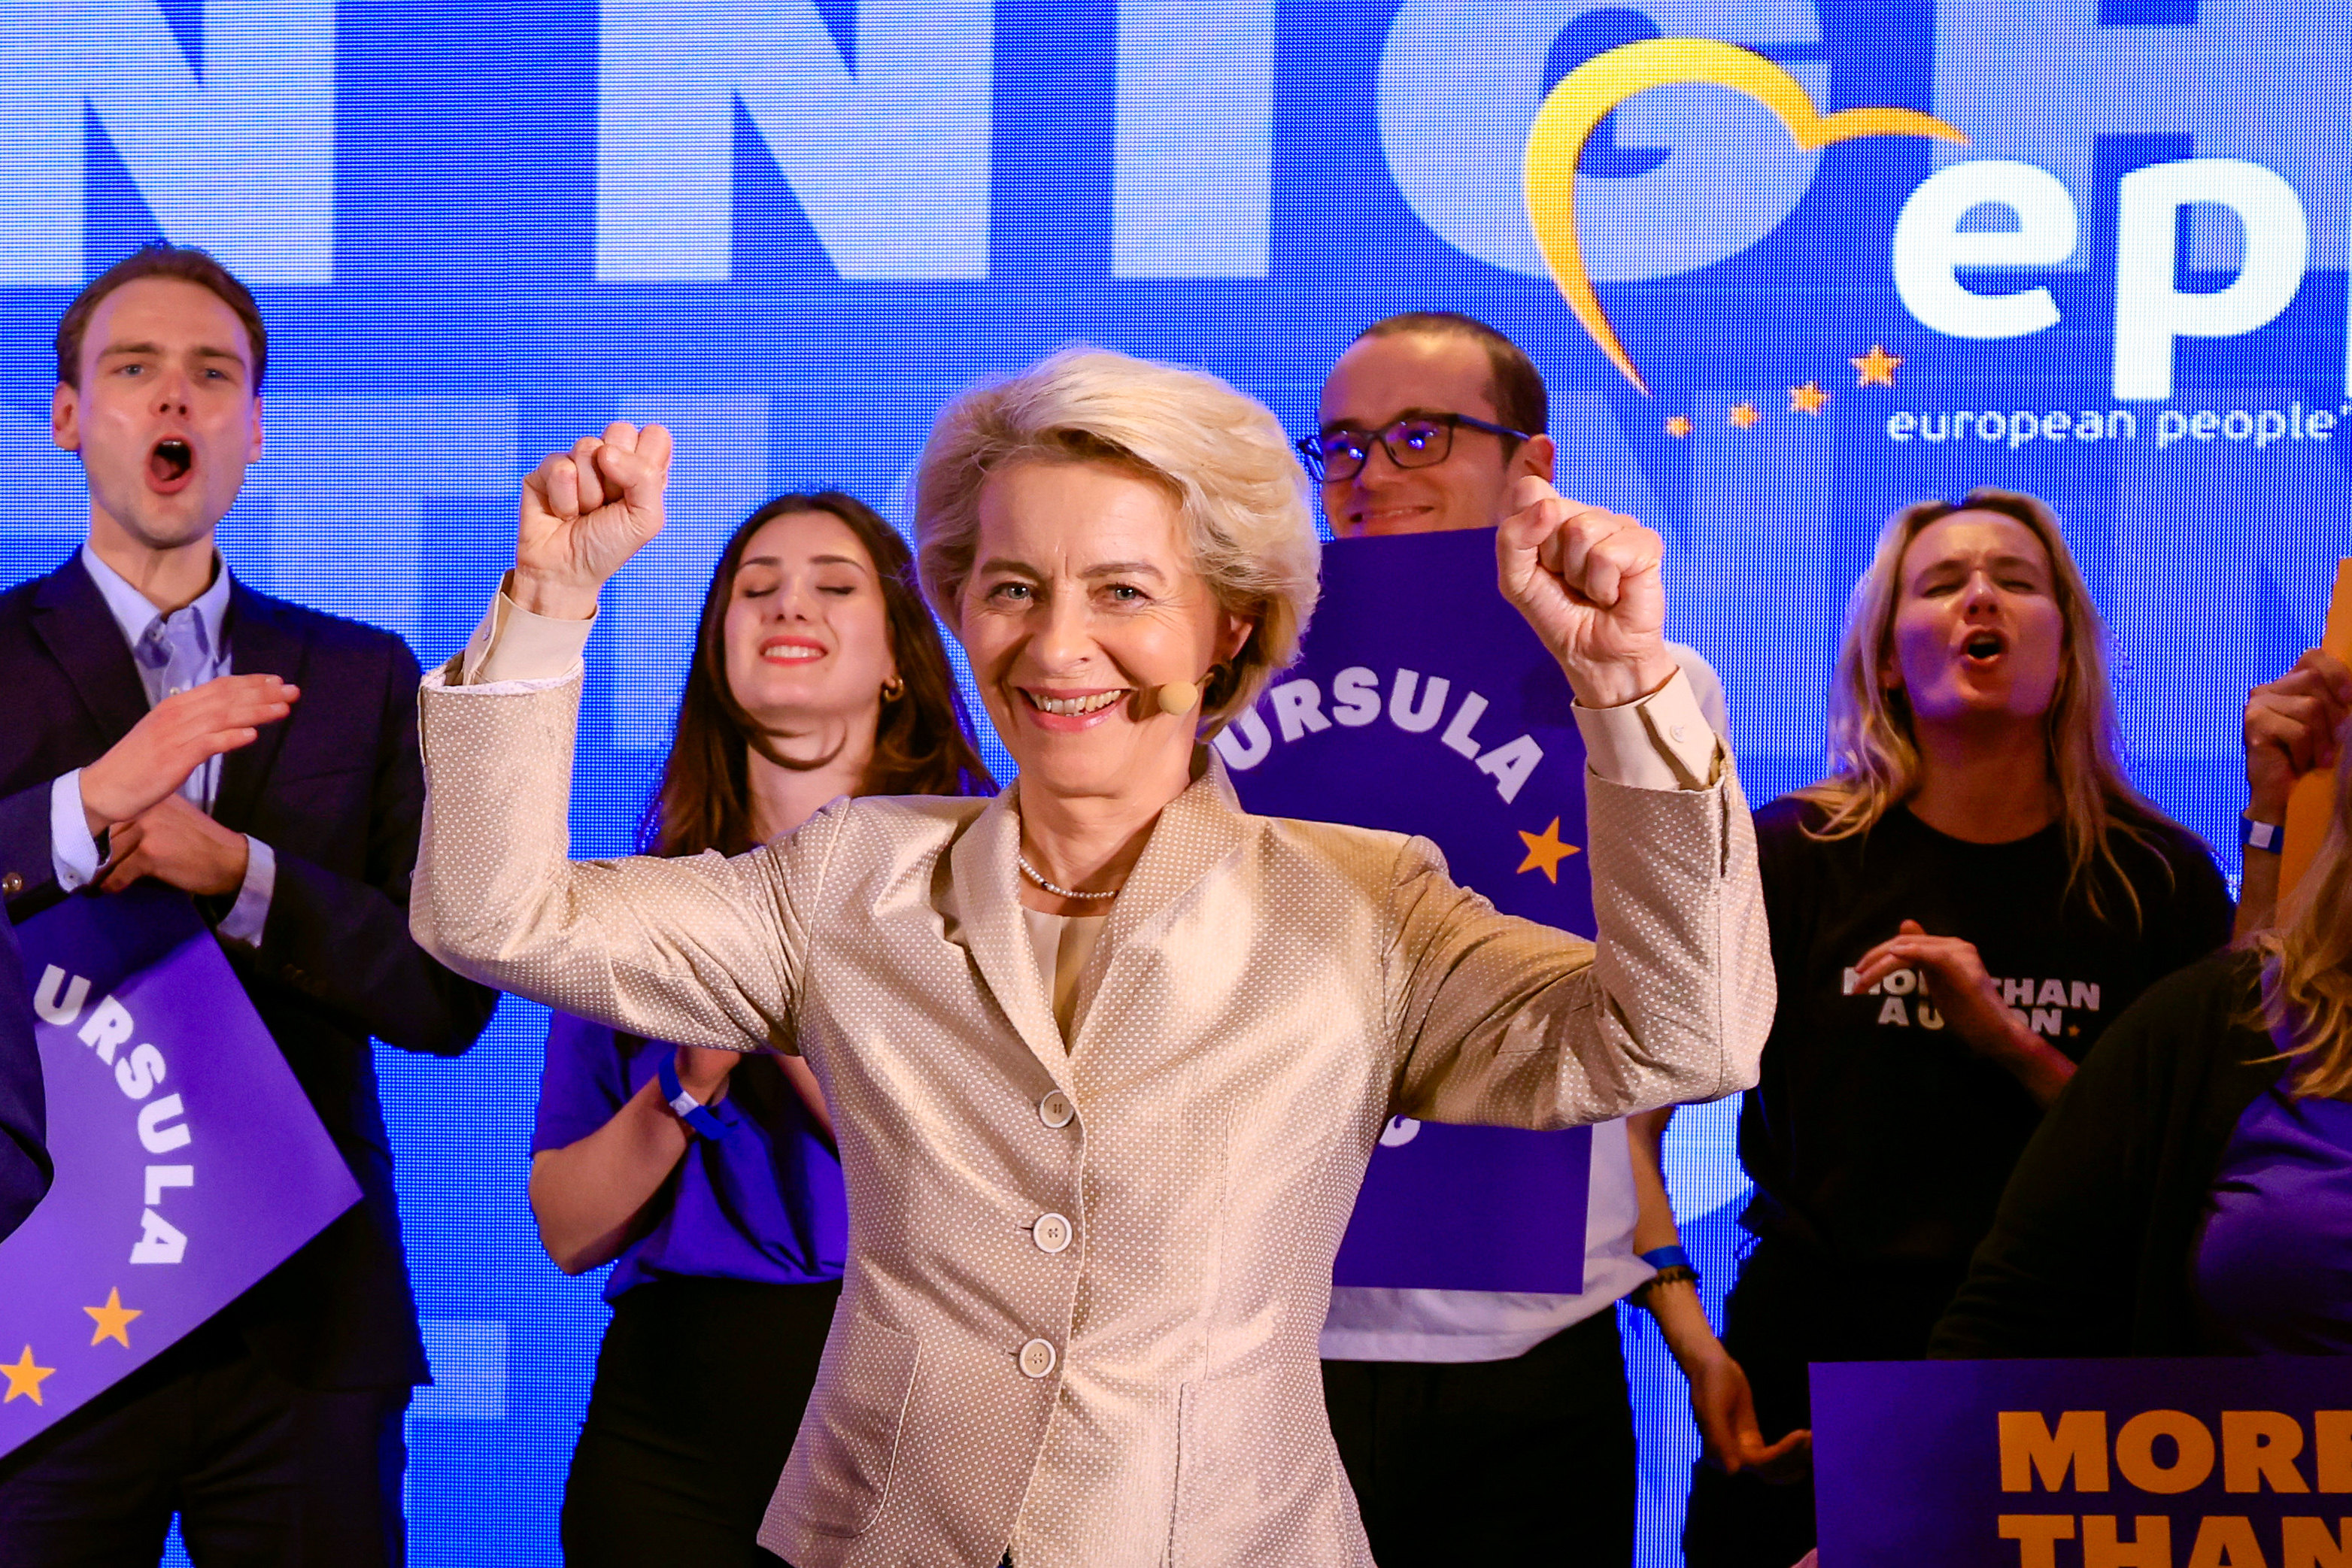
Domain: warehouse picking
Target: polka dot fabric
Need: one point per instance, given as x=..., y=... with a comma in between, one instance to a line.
x=1267, y=993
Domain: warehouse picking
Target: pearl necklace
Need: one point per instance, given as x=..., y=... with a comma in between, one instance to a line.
x=1056, y=891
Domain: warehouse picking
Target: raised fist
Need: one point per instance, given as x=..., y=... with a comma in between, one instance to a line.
x=1588, y=582
x=2292, y=727
x=585, y=512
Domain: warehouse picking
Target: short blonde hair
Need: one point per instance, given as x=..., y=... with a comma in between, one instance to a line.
x=1221, y=455
x=1873, y=757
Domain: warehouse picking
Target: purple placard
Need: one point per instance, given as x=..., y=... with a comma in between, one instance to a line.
x=189, y=1163
x=2060, y=1464
x=1425, y=705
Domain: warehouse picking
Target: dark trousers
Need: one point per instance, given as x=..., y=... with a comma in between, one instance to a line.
x=261, y=1472
x=1786, y=1313
x=699, y=1389
x=1528, y=1460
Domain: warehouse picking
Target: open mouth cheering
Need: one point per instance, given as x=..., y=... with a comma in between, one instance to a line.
x=169, y=461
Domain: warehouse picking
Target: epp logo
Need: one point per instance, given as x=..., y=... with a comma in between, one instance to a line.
x=1929, y=245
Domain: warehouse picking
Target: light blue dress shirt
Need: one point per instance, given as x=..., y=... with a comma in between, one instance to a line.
x=73, y=850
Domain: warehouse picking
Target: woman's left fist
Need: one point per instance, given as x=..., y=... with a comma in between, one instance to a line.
x=1588, y=582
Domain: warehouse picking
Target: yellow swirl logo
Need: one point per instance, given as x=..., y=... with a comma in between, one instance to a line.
x=1585, y=97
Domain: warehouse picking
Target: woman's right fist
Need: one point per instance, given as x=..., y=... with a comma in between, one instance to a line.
x=584, y=513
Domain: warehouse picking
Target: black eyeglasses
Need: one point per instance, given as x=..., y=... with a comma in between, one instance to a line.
x=1416, y=441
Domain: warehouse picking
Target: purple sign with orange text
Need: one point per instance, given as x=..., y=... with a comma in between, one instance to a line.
x=2243, y=1462
x=1424, y=705
x=189, y=1164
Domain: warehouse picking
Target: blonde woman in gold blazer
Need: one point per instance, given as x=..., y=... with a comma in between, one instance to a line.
x=1107, y=1055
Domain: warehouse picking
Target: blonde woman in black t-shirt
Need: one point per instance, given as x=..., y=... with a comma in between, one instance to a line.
x=1956, y=912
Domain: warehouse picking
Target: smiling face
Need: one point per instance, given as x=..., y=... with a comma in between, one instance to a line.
x=1082, y=602
x=1382, y=380
x=166, y=417
x=1977, y=632
x=807, y=634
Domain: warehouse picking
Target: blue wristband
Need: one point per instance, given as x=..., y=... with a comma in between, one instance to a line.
x=1669, y=1257
x=689, y=1110
x=2266, y=836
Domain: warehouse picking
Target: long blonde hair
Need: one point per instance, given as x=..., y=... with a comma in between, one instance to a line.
x=2307, y=961
x=1874, y=756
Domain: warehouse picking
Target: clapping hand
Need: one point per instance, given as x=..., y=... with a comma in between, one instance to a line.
x=584, y=513
x=174, y=737
x=1588, y=582
x=1954, y=975
x=177, y=844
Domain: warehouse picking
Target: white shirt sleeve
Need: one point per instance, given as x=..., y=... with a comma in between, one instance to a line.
x=1661, y=742
x=513, y=647
x=73, y=849
x=1705, y=685
x=250, y=912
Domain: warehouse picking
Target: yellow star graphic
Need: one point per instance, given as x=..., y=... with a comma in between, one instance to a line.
x=113, y=1320
x=1807, y=399
x=23, y=1377
x=1678, y=426
x=1545, y=852
x=1874, y=369
x=1743, y=415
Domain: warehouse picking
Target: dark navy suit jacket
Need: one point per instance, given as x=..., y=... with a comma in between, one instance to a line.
x=336, y=790
x=24, y=1159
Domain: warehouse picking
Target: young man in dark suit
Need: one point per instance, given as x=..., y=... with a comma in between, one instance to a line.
x=168, y=722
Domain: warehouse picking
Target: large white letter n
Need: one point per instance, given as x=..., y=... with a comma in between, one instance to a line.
x=887, y=155
x=235, y=152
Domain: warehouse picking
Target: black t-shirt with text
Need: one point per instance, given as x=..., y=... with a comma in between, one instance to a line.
x=1875, y=1136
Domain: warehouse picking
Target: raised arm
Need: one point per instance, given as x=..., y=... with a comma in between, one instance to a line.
x=1505, y=1021
x=1508, y=1022
x=700, y=951
x=2293, y=727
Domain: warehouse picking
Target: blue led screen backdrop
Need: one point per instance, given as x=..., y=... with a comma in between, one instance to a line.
x=790, y=230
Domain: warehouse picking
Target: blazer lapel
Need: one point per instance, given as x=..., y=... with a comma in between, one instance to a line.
x=1200, y=828
x=72, y=620
x=989, y=897
x=260, y=643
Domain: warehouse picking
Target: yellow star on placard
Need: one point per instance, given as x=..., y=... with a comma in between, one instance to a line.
x=1545, y=852
x=1678, y=426
x=23, y=1377
x=113, y=1320
x=1807, y=399
x=1743, y=415
x=1874, y=369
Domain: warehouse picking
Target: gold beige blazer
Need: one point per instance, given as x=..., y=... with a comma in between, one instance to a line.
x=1085, y=1280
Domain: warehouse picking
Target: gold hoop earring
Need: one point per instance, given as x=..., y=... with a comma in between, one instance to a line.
x=893, y=689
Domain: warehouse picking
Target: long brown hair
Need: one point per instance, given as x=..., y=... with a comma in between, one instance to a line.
x=2307, y=962
x=922, y=746
x=1873, y=753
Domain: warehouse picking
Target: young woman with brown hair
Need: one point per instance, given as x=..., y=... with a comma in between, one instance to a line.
x=711, y=1175
x=1957, y=911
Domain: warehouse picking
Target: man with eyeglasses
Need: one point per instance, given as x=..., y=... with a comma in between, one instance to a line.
x=1482, y=1426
